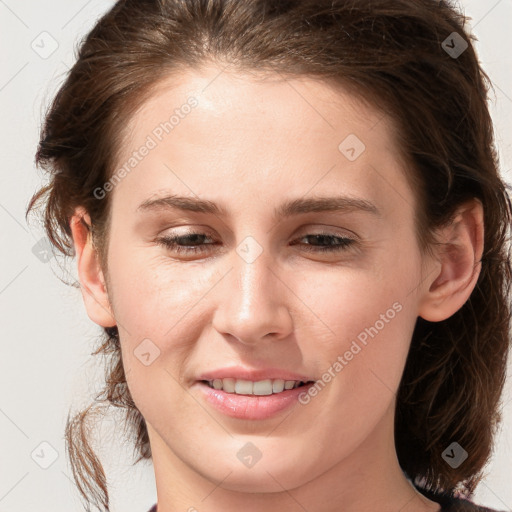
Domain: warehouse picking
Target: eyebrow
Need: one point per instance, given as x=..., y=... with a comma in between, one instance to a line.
x=288, y=209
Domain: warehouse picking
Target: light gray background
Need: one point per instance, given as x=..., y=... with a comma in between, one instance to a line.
x=47, y=338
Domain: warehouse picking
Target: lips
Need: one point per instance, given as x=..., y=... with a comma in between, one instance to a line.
x=252, y=394
x=238, y=372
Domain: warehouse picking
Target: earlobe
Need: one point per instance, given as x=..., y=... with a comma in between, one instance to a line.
x=458, y=264
x=90, y=274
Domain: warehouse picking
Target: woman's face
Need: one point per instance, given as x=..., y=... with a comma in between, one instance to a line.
x=271, y=174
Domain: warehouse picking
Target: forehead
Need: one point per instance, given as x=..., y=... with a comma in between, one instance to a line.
x=267, y=132
x=253, y=101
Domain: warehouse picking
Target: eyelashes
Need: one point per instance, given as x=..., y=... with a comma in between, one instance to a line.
x=185, y=244
x=176, y=243
x=341, y=243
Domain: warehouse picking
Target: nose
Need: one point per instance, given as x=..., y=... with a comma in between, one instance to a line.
x=252, y=302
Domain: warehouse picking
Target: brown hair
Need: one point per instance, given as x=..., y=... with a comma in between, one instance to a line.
x=392, y=53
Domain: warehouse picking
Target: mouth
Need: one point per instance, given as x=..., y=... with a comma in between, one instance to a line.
x=252, y=399
x=255, y=388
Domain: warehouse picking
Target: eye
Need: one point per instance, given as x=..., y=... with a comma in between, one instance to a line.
x=179, y=243
x=193, y=243
x=326, y=242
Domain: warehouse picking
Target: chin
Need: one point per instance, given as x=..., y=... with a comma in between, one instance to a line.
x=267, y=475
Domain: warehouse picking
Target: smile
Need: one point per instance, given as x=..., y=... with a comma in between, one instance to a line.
x=251, y=400
x=258, y=388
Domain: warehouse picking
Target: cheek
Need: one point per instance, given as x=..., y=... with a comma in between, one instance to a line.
x=160, y=311
x=361, y=335
x=151, y=295
x=350, y=316
x=360, y=323
x=154, y=308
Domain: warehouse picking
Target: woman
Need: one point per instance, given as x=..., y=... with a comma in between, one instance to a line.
x=288, y=219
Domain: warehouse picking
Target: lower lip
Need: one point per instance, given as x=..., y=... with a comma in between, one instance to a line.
x=251, y=407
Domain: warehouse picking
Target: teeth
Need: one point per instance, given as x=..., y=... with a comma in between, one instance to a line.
x=277, y=386
x=258, y=388
x=243, y=387
x=217, y=384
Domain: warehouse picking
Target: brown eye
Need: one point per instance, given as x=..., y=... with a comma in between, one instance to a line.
x=327, y=242
x=185, y=244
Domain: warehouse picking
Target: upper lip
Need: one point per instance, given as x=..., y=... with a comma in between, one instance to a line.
x=239, y=372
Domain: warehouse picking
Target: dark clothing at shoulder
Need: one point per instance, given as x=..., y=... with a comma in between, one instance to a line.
x=461, y=505
x=448, y=503
x=451, y=504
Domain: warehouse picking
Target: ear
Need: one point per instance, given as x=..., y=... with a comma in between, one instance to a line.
x=457, y=265
x=92, y=281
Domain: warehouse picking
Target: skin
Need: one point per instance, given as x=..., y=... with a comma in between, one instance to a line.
x=248, y=146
